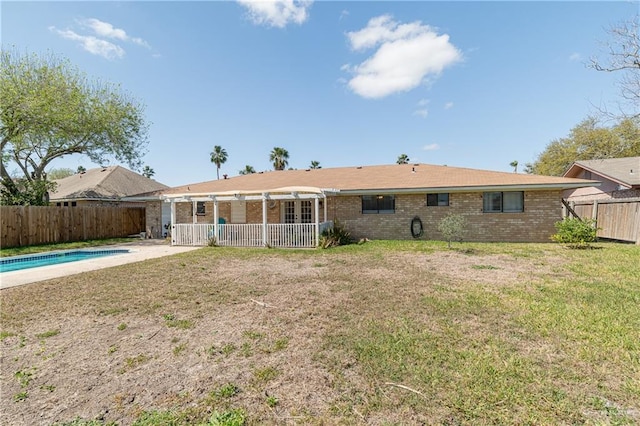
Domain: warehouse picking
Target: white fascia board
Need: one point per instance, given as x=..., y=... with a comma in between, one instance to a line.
x=484, y=188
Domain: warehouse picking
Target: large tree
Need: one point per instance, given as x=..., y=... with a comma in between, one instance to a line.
x=623, y=57
x=218, y=157
x=315, y=165
x=589, y=141
x=279, y=157
x=48, y=110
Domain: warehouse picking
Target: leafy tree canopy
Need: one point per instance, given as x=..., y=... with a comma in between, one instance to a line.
x=588, y=141
x=49, y=109
x=248, y=170
x=55, y=174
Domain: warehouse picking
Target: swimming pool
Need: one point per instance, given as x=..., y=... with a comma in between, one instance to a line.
x=16, y=263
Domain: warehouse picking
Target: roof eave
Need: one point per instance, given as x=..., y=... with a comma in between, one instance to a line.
x=478, y=188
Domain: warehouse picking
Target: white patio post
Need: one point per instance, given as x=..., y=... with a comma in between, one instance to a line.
x=325, y=207
x=317, y=207
x=195, y=220
x=215, y=218
x=264, y=219
x=173, y=222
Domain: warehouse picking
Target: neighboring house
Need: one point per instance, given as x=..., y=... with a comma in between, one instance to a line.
x=102, y=186
x=618, y=177
x=376, y=202
x=615, y=204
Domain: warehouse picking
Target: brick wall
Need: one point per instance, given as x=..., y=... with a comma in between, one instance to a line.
x=536, y=224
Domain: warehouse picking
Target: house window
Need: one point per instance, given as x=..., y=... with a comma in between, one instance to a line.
x=65, y=204
x=59, y=204
x=238, y=212
x=378, y=204
x=438, y=199
x=74, y=203
x=200, y=209
x=503, y=202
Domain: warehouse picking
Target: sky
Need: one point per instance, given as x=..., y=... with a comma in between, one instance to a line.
x=344, y=83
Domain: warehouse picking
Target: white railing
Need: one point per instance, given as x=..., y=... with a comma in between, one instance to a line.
x=283, y=235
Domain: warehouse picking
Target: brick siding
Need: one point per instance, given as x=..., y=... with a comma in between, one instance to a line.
x=536, y=224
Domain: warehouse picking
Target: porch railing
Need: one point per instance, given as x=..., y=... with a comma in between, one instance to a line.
x=283, y=235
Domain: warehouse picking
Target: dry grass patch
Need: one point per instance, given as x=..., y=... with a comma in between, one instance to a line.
x=384, y=333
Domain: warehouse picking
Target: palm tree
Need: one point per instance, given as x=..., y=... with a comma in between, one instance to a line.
x=247, y=170
x=148, y=172
x=280, y=157
x=315, y=165
x=514, y=164
x=218, y=157
x=403, y=159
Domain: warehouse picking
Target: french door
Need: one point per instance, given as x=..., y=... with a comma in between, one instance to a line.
x=298, y=211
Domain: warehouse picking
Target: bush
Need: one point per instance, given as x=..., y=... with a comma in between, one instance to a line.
x=336, y=236
x=452, y=227
x=576, y=233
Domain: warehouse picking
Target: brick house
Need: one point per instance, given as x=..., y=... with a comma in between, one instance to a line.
x=376, y=202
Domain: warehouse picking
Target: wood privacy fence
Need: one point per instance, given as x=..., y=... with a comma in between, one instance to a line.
x=618, y=219
x=33, y=225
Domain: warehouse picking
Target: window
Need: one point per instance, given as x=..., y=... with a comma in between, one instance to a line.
x=503, y=202
x=438, y=199
x=378, y=204
x=200, y=209
x=74, y=203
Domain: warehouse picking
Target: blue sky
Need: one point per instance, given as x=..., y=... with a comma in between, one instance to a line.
x=468, y=84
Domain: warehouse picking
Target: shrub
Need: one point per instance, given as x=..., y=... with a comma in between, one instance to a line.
x=336, y=236
x=452, y=227
x=575, y=233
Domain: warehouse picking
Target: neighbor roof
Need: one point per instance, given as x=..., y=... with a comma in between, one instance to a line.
x=380, y=179
x=111, y=182
x=625, y=171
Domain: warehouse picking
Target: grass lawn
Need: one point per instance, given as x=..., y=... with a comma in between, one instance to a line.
x=381, y=333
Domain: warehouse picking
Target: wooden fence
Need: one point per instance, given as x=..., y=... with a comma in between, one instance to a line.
x=33, y=225
x=617, y=219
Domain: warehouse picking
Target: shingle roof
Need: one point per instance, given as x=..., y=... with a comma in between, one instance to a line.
x=624, y=170
x=385, y=178
x=111, y=182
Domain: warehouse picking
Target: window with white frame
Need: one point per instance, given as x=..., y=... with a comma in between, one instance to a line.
x=503, y=202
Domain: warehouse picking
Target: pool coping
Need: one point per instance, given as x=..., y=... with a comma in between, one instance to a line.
x=138, y=252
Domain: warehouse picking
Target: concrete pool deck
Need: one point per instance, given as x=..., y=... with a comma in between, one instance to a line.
x=139, y=250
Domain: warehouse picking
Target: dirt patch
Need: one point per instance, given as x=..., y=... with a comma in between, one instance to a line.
x=169, y=334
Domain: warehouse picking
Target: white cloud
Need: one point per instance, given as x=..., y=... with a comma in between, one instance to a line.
x=575, y=56
x=422, y=111
x=105, y=29
x=92, y=44
x=277, y=13
x=344, y=14
x=448, y=105
x=98, y=44
x=431, y=147
x=407, y=55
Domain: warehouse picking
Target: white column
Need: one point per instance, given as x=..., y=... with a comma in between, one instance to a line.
x=326, y=201
x=195, y=208
x=173, y=222
x=264, y=219
x=215, y=218
x=317, y=211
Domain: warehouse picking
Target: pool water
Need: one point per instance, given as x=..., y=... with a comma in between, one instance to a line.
x=16, y=263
